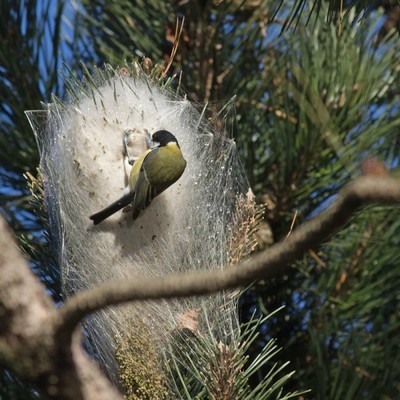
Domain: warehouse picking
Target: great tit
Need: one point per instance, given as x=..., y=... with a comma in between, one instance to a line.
x=154, y=171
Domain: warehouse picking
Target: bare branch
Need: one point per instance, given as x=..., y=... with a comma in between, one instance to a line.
x=24, y=306
x=27, y=338
x=271, y=262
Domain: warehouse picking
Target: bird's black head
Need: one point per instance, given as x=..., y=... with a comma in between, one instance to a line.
x=163, y=138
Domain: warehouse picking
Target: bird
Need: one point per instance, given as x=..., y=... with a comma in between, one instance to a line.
x=154, y=171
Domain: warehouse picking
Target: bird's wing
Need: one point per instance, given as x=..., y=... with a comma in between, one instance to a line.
x=144, y=191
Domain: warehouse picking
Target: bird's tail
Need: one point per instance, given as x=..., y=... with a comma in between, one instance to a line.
x=112, y=208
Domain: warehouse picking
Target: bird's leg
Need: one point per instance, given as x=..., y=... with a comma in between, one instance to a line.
x=149, y=141
x=127, y=135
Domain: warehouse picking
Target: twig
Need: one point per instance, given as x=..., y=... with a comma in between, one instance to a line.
x=178, y=33
x=292, y=224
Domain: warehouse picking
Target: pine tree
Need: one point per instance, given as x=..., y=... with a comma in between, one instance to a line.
x=316, y=105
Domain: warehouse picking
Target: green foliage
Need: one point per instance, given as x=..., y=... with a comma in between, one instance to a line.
x=202, y=369
x=122, y=29
x=336, y=8
x=353, y=311
x=326, y=109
